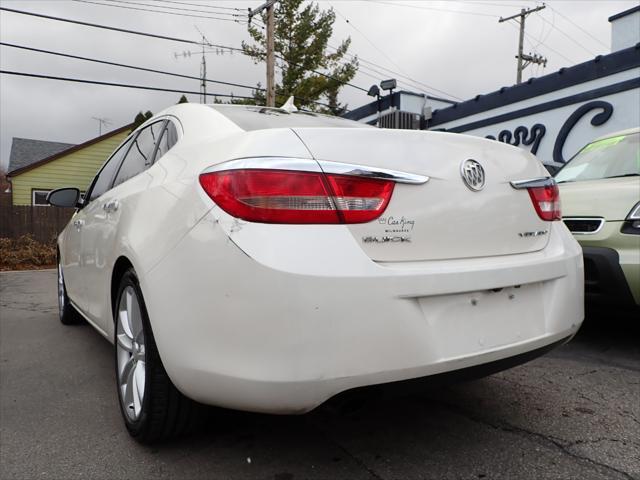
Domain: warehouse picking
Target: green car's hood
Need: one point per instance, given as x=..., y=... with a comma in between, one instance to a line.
x=610, y=198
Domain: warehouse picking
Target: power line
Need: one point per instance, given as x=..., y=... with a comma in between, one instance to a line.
x=546, y=37
x=156, y=5
x=579, y=27
x=531, y=39
x=422, y=7
x=156, y=11
x=380, y=50
x=105, y=27
x=200, y=5
x=124, y=85
x=253, y=15
x=473, y=2
x=524, y=60
x=151, y=70
x=153, y=35
x=268, y=7
x=548, y=47
x=410, y=82
x=124, y=65
x=365, y=37
x=567, y=36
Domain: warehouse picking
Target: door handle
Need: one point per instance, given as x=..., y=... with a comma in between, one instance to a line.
x=111, y=206
x=78, y=224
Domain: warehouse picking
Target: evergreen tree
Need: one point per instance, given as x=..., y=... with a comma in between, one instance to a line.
x=300, y=39
x=183, y=99
x=141, y=118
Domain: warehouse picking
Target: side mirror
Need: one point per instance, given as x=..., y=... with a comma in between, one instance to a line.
x=64, y=197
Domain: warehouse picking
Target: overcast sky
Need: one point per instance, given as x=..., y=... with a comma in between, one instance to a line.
x=454, y=49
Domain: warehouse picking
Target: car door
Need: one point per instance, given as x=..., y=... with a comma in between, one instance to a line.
x=102, y=218
x=74, y=260
x=70, y=259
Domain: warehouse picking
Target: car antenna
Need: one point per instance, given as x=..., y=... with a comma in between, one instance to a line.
x=289, y=106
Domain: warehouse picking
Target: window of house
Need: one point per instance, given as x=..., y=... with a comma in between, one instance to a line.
x=39, y=197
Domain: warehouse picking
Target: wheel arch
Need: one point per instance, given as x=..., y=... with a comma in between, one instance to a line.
x=121, y=265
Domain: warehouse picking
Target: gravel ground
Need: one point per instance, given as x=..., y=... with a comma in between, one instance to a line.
x=574, y=413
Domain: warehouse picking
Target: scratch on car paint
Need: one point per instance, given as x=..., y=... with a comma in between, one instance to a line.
x=236, y=226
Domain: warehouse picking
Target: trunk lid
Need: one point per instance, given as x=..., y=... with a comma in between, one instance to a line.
x=443, y=218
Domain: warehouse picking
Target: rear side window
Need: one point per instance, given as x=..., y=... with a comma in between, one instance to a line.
x=168, y=140
x=102, y=182
x=140, y=155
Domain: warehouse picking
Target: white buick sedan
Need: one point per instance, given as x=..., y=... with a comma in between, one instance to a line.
x=266, y=259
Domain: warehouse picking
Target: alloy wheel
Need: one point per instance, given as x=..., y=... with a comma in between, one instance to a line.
x=130, y=346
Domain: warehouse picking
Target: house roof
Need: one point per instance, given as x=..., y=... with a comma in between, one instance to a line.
x=25, y=151
x=69, y=149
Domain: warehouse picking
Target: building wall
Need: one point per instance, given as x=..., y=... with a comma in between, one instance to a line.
x=76, y=169
x=622, y=109
x=625, y=30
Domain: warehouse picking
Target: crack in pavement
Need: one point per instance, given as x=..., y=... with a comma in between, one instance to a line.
x=601, y=439
x=547, y=439
x=586, y=358
x=344, y=449
x=27, y=307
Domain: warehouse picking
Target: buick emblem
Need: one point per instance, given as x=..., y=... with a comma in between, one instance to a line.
x=473, y=174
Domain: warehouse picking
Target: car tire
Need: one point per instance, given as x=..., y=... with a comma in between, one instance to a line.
x=152, y=407
x=68, y=314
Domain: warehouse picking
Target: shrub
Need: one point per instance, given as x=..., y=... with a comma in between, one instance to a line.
x=25, y=253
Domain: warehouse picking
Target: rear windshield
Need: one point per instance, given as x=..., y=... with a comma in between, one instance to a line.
x=612, y=157
x=260, y=118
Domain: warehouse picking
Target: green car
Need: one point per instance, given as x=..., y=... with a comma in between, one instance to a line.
x=600, y=194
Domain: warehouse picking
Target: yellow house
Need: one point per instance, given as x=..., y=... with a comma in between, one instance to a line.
x=72, y=167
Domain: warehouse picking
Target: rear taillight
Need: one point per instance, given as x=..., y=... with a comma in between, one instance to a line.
x=287, y=196
x=545, y=196
x=546, y=201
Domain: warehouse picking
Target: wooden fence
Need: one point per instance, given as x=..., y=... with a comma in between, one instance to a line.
x=43, y=223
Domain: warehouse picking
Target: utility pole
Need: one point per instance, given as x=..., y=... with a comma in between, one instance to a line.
x=203, y=75
x=271, y=84
x=522, y=58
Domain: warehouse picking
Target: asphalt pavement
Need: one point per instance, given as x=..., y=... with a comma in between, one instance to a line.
x=572, y=414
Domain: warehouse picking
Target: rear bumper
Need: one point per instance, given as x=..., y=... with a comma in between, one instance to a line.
x=417, y=385
x=273, y=332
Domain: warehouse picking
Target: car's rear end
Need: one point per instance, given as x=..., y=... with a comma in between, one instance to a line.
x=377, y=256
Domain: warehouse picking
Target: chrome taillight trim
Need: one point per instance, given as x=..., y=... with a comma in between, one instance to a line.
x=267, y=163
x=339, y=168
x=600, y=219
x=310, y=165
x=533, y=182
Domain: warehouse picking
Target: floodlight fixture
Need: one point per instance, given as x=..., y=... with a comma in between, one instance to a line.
x=388, y=84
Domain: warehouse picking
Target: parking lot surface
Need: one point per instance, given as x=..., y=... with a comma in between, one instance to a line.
x=574, y=413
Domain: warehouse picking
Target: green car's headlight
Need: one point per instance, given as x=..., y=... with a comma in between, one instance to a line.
x=632, y=223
